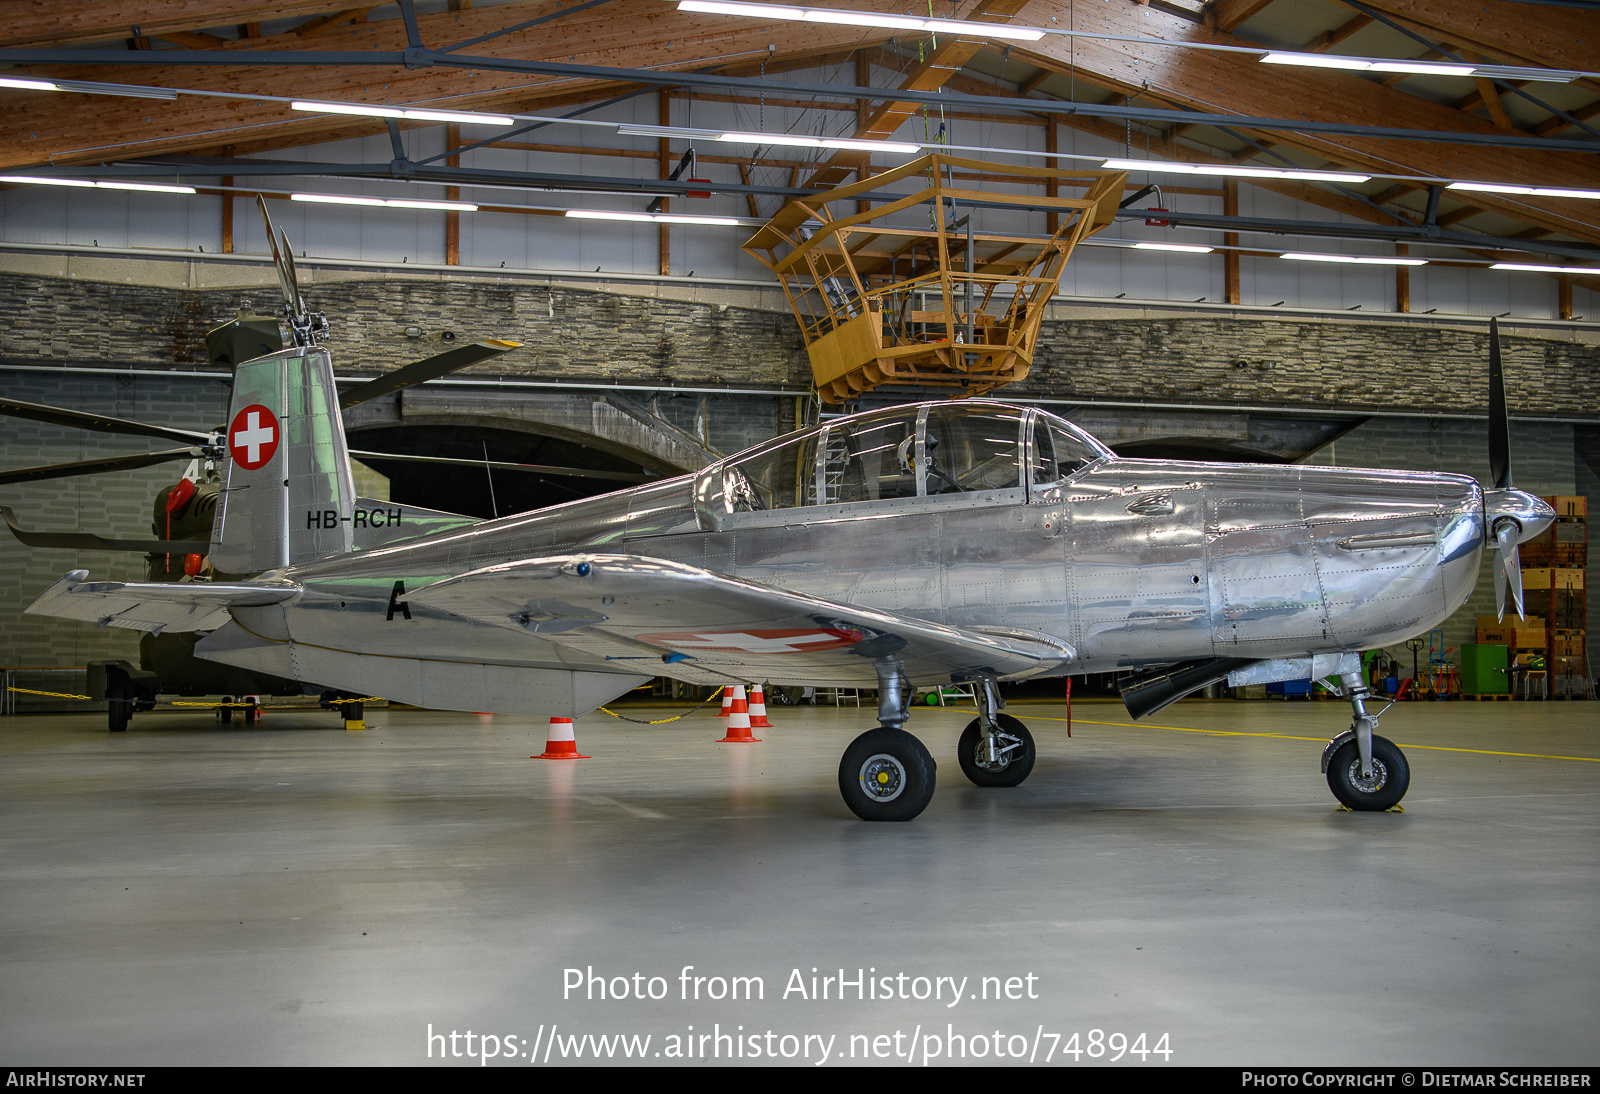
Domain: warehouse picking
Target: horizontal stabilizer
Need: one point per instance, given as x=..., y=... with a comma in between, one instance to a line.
x=667, y=618
x=149, y=606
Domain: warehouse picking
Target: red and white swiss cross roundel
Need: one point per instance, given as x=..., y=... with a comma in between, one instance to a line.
x=253, y=436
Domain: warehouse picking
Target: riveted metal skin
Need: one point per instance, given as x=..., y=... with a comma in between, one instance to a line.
x=1038, y=552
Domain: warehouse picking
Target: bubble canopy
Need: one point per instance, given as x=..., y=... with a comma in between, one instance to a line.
x=925, y=450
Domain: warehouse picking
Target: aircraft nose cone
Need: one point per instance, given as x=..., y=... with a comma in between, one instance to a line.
x=1532, y=514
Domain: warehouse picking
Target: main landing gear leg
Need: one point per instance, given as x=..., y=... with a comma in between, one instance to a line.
x=887, y=774
x=1365, y=772
x=995, y=749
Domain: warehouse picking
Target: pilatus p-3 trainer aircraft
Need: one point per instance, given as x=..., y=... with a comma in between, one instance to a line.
x=928, y=544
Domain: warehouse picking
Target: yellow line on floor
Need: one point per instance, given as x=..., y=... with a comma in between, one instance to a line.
x=1320, y=740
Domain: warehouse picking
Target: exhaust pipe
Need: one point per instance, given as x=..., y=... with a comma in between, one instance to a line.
x=1150, y=692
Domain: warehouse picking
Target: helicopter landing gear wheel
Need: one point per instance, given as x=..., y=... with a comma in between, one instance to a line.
x=886, y=775
x=120, y=712
x=1014, y=750
x=1383, y=789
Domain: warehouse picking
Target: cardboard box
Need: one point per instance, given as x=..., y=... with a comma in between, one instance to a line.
x=1569, y=531
x=1568, y=506
x=1567, y=647
x=1515, y=637
x=1548, y=577
x=1494, y=622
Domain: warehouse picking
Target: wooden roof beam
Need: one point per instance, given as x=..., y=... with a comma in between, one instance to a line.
x=1227, y=14
x=43, y=127
x=1222, y=82
x=59, y=24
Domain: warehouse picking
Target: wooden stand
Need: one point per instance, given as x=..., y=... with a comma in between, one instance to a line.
x=906, y=292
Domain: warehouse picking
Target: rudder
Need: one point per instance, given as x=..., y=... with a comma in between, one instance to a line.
x=288, y=495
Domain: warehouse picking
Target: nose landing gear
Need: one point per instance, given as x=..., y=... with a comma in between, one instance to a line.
x=1367, y=773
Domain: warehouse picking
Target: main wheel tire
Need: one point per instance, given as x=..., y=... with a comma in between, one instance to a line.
x=886, y=775
x=1391, y=776
x=1014, y=767
x=120, y=713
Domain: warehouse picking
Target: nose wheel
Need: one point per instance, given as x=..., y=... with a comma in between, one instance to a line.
x=886, y=775
x=1003, y=759
x=1374, y=791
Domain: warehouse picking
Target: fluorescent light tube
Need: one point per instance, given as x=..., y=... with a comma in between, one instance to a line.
x=152, y=187
x=1362, y=260
x=337, y=199
x=864, y=19
x=1560, y=192
x=1315, y=60
x=785, y=139
x=1169, y=167
x=871, y=146
x=450, y=206
x=27, y=85
x=991, y=30
x=601, y=214
x=1421, y=68
x=1590, y=271
x=465, y=117
x=1538, y=191
x=41, y=181
x=841, y=17
x=360, y=109
x=757, y=11
x=1186, y=248
x=650, y=218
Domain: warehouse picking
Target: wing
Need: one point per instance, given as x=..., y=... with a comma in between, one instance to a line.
x=147, y=606
x=677, y=620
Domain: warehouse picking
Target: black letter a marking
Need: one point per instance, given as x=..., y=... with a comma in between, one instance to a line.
x=395, y=603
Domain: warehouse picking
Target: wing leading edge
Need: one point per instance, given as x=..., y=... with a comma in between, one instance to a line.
x=667, y=618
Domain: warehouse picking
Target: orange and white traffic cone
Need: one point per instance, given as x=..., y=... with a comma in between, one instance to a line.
x=560, y=743
x=758, y=708
x=727, y=705
x=739, y=721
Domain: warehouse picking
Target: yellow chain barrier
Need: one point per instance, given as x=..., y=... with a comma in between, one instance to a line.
x=663, y=721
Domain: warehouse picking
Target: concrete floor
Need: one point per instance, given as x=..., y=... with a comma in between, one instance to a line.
x=187, y=893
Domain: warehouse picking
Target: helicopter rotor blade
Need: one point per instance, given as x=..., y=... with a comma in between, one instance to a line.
x=282, y=260
x=100, y=423
x=84, y=541
x=1499, y=416
x=537, y=468
x=426, y=369
x=94, y=467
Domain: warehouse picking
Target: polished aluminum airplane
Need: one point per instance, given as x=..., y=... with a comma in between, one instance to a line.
x=924, y=545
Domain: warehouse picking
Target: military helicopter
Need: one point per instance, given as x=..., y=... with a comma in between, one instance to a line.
x=923, y=545
x=184, y=512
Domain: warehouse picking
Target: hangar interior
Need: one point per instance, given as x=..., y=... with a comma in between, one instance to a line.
x=1321, y=205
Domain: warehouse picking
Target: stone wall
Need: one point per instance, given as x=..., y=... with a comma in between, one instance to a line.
x=580, y=334
x=1322, y=363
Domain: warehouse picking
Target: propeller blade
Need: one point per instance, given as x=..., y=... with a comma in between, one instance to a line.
x=1499, y=417
x=1508, y=567
x=94, y=467
x=100, y=423
x=83, y=541
x=426, y=369
x=539, y=468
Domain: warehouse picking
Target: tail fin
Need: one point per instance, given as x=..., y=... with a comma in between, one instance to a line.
x=288, y=495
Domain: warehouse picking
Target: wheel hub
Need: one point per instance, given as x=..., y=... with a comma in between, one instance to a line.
x=1368, y=784
x=883, y=777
